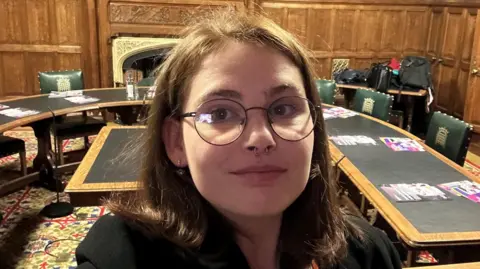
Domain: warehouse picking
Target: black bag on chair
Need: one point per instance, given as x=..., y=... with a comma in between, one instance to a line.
x=379, y=77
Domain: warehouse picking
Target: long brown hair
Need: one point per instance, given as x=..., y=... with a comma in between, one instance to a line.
x=170, y=207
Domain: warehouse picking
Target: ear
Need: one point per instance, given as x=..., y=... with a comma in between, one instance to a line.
x=173, y=139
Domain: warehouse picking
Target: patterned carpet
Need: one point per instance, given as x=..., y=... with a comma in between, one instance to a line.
x=30, y=241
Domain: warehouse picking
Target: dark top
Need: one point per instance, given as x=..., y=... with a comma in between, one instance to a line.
x=113, y=244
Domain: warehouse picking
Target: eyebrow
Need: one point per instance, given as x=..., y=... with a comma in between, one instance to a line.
x=232, y=94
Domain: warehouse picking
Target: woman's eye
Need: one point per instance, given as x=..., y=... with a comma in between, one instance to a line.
x=220, y=114
x=283, y=110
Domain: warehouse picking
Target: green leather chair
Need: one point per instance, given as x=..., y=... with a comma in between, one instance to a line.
x=68, y=127
x=376, y=104
x=11, y=145
x=449, y=136
x=60, y=81
x=146, y=82
x=327, y=90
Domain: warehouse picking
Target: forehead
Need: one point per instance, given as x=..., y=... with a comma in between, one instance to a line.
x=249, y=69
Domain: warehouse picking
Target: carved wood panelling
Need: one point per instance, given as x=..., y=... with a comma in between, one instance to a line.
x=165, y=14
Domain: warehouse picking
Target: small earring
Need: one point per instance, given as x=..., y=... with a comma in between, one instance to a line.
x=180, y=171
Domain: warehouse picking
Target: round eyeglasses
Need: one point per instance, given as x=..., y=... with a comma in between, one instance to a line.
x=222, y=121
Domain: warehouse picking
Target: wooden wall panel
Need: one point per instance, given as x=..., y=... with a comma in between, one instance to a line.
x=13, y=26
x=38, y=61
x=322, y=67
x=321, y=23
x=416, y=23
x=367, y=25
x=68, y=14
x=344, y=31
x=46, y=35
x=13, y=68
x=392, y=32
x=296, y=23
x=38, y=18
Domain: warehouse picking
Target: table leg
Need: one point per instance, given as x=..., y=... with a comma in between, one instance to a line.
x=42, y=133
x=410, y=258
x=410, y=106
x=348, y=95
x=128, y=114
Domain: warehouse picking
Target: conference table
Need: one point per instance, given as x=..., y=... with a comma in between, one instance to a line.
x=446, y=225
x=113, y=99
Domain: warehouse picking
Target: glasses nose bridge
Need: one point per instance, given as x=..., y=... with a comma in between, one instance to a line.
x=258, y=108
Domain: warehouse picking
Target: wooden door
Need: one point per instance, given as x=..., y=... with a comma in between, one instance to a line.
x=435, y=34
x=448, y=60
x=472, y=103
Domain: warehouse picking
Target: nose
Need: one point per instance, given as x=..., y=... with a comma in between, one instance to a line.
x=258, y=134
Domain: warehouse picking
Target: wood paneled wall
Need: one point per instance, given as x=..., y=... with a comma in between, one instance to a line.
x=40, y=35
x=44, y=35
x=361, y=33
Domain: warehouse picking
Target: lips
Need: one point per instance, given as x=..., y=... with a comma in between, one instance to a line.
x=264, y=169
x=260, y=176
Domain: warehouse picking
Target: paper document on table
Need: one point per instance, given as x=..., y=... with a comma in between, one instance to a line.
x=465, y=188
x=18, y=112
x=414, y=192
x=82, y=99
x=338, y=112
x=56, y=94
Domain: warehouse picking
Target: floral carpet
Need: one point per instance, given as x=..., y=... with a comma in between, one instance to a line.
x=30, y=241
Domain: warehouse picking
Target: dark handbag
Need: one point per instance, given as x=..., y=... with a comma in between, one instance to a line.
x=379, y=77
x=349, y=76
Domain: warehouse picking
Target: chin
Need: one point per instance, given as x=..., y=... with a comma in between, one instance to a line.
x=259, y=209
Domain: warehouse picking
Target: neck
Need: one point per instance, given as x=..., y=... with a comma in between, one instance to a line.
x=257, y=237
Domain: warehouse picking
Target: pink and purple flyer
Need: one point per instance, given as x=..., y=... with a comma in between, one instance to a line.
x=402, y=144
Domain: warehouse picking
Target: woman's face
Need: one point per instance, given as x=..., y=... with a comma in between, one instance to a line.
x=259, y=174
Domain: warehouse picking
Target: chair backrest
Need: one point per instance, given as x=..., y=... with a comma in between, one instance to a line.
x=449, y=136
x=148, y=81
x=326, y=89
x=376, y=104
x=60, y=81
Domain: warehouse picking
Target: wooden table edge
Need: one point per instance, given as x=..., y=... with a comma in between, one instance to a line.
x=76, y=183
x=470, y=265
x=45, y=115
x=419, y=93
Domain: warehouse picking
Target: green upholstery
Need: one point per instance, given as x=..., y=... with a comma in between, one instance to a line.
x=60, y=81
x=148, y=81
x=326, y=89
x=376, y=104
x=449, y=136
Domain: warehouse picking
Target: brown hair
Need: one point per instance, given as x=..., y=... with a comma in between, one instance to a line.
x=169, y=205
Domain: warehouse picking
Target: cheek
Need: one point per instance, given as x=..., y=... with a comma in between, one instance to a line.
x=205, y=161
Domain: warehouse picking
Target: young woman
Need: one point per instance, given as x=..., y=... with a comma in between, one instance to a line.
x=236, y=164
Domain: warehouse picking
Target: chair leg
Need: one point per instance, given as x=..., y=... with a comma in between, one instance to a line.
x=60, y=157
x=85, y=141
x=400, y=122
x=23, y=162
